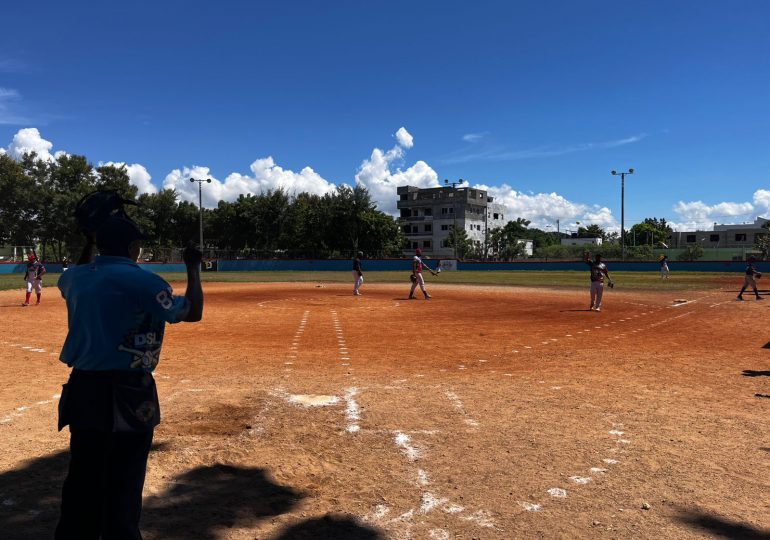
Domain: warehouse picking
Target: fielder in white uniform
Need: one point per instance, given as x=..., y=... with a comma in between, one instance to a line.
x=417, y=279
x=598, y=273
x=34, y=278
x=358, y=275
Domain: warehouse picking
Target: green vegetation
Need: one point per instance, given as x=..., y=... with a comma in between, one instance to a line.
x=522, y=278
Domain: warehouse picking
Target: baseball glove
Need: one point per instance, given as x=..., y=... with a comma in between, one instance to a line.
x=758, y=275
x=413, y=278
x=94, y=209
x=611, y=284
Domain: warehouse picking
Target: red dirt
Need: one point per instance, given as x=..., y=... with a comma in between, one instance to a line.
x=472, y=406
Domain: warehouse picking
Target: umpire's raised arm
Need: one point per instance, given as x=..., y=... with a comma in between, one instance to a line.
x=194, y=294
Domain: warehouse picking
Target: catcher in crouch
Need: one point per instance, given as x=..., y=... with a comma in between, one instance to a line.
x=598, y=273
x=752, y=275
x=416, y=277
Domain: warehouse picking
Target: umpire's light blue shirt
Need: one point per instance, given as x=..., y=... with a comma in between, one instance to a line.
x=116, y=313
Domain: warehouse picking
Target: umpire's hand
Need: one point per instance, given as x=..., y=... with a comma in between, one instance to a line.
x=191, y=256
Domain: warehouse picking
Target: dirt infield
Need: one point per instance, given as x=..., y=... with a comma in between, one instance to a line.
x=298, y=411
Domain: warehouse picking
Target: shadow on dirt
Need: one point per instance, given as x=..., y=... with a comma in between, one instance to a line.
x=722, y=527
x=330, y=528
x=752, y=373
x=202, y=501
x=197, y=504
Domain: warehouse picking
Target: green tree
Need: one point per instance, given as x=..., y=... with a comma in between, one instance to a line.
x=592, y=231
x=18, y=209
x=651, y=231
x=693, y=252
x=459, y=241
x=762, y=242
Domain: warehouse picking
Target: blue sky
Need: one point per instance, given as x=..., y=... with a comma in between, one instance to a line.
x=545, y=97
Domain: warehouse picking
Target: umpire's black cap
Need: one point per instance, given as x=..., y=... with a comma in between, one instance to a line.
x=117, y=233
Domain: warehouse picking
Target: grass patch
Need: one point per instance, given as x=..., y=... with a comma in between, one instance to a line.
x=623, y=280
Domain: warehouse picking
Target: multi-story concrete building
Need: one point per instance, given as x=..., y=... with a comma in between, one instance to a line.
x=427, y=216
x=722, y=236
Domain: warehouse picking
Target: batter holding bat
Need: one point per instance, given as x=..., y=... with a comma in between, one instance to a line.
x=750, y=280
x=116, y=314
x=416, y=277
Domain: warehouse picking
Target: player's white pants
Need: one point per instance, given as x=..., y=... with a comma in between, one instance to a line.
x=357, y=282
x=36, y=285
x=664, y=271
x=597, y=290
x=420, y=281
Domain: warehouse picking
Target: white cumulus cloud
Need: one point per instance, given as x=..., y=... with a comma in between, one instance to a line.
x=29, y=140
x=137, y=176
x=266, y=175
x=543, y=209
x=694, y=215
x=404, y=138
x=381, y=175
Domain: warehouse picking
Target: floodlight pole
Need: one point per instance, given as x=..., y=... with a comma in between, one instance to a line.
x=622, y=210
x=200, y=206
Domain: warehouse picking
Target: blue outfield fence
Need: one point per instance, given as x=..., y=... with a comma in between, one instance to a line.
x=340, y=265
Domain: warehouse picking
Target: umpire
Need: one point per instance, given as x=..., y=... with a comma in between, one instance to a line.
x=116, y=314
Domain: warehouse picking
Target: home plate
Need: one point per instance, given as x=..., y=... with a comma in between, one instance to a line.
x=313, y=400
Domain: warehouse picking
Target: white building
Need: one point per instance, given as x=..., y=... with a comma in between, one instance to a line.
x=581, y=241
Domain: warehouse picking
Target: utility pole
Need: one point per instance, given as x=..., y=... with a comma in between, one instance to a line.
x=200, y=206
x=623, y=211
x=454, y=185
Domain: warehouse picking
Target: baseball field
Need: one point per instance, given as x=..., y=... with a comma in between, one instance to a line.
x=500, y=409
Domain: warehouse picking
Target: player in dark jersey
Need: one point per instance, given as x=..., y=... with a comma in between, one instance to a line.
x=34, y=278
x=358, y=275
x=598, y=273
x=750, y=280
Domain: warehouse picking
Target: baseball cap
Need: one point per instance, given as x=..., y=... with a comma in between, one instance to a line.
x=116, y=233
x=31, y=258
x=418, y=251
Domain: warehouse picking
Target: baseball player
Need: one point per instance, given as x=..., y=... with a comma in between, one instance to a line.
x=664, y=267
x=752, y=274
x=417, y=279
x=358, y=275
x=34, y=278
x=598, y=273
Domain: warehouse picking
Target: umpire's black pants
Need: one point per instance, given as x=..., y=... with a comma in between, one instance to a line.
x=102, y=495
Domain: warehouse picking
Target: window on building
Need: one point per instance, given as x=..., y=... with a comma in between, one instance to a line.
x=407, y=229
x=404, y=196
x=428, y=212
x=415, y=245
x=452, y=210
x=740, y=237
x=495, y=216
x=691, y=238
x=714, y=238
x=426, y=243
x=428, y=228
x=445, y=227
x=405, y=213
x=445, y=210
x=445, y=244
